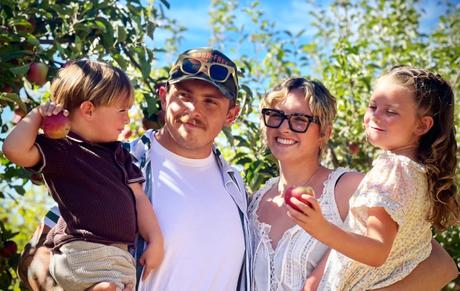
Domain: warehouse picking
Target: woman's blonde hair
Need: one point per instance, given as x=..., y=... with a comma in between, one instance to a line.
x=437, y=149
x=86, y=80
x=322, y=103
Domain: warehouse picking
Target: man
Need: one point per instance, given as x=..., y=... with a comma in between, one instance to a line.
x=199, y=199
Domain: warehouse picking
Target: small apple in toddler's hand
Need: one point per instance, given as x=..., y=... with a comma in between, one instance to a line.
x=297, y=192
x=56, y=126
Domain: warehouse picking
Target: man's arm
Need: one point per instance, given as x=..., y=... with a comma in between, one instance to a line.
x=33, y=264
x=432, y=274
x=149, y=229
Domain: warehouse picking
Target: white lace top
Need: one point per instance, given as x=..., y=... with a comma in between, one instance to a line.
x=400, y=186
x=297, y=253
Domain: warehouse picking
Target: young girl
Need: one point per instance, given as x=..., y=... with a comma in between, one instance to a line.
x=410, y=187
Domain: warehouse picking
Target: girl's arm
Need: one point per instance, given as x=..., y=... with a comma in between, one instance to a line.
x=432, y=274
x=312, y=282
x=372, y=249
x=149, y=230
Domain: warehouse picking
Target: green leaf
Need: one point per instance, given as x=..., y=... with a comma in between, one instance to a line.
x=32, y=40
x=10, y=53
x=20, y=190
x=121, y=33
x=13, y=98
x=20, y=70
x=165, y=3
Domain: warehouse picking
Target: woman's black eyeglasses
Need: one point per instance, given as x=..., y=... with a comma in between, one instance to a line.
x=298, y=122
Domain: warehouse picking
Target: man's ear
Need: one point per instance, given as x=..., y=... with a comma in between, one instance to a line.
x=424, y=125
x=87, y=109
x=162, y=92
x=232, y=115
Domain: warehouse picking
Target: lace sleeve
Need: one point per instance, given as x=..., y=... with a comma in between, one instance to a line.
x=390, y=185
x=255, y=199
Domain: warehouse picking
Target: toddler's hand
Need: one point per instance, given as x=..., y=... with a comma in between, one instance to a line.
x=51, y=108
x=151, y=258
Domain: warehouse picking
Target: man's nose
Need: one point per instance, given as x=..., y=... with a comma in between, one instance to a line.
x=193, y=108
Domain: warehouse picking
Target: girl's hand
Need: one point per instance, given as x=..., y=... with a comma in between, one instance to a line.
x=311, y=284
x=51, y=108
x=151, y=258
x=310, y=218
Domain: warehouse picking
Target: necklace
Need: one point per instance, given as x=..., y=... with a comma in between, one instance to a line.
x=282, y=188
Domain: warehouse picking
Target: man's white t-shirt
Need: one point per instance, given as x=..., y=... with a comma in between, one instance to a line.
x=201, y=225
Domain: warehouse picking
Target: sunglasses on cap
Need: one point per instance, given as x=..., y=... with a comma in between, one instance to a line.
x=297, y=122
x=215, y=71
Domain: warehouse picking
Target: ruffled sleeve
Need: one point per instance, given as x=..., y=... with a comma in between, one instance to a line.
x=390, y=185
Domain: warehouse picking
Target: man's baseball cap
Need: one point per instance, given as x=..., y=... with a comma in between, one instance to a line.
x=209, y=65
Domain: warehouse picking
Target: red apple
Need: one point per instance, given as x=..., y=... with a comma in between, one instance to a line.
x=354, y=148
x=56, y=126
x=9, y=248
x=7, y=89
x=297, y=192
x=37, y=73
x=126, y=133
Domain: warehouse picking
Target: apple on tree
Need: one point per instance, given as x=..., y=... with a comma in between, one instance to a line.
x=354, y=148
x=37, y=73
x=297, y=192
x=126, y=133
x=56, y=126
x=9, y=248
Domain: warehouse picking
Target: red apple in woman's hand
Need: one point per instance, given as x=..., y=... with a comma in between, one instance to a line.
x=56, y=126
x=297, y=192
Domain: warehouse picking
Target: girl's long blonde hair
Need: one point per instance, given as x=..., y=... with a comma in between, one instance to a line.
x=437, y=149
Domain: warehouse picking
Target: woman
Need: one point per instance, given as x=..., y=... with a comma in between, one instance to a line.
x=284, y=254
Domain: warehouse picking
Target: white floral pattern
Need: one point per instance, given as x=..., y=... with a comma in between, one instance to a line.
x=399, y=185
x=297, y=253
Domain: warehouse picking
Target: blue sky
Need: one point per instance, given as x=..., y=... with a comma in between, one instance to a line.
x=289, y=14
